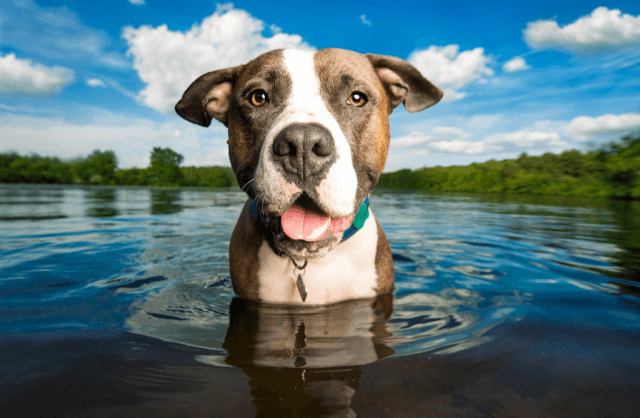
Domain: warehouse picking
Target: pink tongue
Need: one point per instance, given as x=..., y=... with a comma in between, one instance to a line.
x=308, y=225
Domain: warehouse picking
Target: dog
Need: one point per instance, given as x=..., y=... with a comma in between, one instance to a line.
x=308, y=140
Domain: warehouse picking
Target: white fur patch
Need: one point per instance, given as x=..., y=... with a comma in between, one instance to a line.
x=346, y=272
x=337, y=191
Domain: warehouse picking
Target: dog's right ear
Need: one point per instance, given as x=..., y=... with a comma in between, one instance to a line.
x=209, y=97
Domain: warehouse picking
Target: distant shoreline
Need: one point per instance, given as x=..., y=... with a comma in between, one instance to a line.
x=611, y=172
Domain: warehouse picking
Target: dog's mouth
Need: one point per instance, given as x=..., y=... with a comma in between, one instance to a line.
x=304, y=230
x=305, y=221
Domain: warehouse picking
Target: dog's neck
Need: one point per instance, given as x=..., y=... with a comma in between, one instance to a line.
x=356, y=225
x=358, y=221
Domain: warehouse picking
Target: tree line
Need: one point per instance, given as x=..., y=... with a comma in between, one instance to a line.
x=100, y=168
x=611, y=171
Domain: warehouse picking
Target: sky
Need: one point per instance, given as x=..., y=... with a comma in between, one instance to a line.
x=532, y=77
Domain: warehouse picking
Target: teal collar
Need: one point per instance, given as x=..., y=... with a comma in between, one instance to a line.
x=358, y=221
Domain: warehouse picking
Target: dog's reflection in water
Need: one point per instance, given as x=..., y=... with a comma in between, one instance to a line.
x=305, y=361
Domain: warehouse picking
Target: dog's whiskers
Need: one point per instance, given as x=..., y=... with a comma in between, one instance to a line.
x=248, y=184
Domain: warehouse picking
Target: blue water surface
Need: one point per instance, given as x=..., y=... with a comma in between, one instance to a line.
x=117, y=302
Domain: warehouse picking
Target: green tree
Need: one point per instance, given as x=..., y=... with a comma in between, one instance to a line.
x=98, y=168
x=572, y=162
x=103, y=166
x=165, y=167
x=33, y=169
x=80, y=169
x=524, y=161
x=611, y=171
x=132, y=177
x=209, y=176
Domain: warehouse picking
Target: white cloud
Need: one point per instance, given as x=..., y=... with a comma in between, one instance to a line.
x=527, y=138
x=584, y=127
x=526, y=141
x=213, y=156
x=535, y=142
x=95, y=82
x=131, y=139
x=439, y=133
x=450, y=69
x=603, y=29
x=456, y=141
x=21, y=77
x=459, y=147
x=411, y=140
x=451, y=95
x=442, y=139
x=55, y=32
x=8, y=108
x=168, y=61
x=137, y=2
x=450, y=132
x=515, y=64
x=364, y=20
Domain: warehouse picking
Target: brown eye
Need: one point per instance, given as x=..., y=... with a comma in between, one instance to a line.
x=357, y=99
x=259, y=97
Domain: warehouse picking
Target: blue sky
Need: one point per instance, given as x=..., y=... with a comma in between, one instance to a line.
x=518, y=77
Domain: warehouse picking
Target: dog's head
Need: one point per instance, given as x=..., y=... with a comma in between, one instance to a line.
x=308, y=134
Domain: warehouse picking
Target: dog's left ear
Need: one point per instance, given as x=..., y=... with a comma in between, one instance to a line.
x=403, y=83
x=209, y=97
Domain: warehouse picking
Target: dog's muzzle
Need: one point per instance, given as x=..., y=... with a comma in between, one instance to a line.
x=304, y=152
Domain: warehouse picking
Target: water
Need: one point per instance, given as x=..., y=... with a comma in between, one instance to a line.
x=117, y=302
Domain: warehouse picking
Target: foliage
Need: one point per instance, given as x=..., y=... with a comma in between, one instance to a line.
x=613, y=171
x=165, y=167
x=133, y=177
x=209, y=176
x=100, y=167
x=15, y=168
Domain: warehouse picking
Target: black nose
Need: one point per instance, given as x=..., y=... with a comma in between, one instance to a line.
x=306, y=150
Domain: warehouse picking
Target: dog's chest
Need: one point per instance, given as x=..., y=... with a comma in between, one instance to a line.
x=346, y=272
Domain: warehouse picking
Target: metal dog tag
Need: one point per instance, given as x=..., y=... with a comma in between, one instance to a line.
x=301, y=287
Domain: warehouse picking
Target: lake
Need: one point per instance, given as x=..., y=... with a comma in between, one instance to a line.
x=117, y=302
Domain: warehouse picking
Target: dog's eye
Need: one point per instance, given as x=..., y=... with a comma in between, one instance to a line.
x=357, y=99
x=259, y=97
